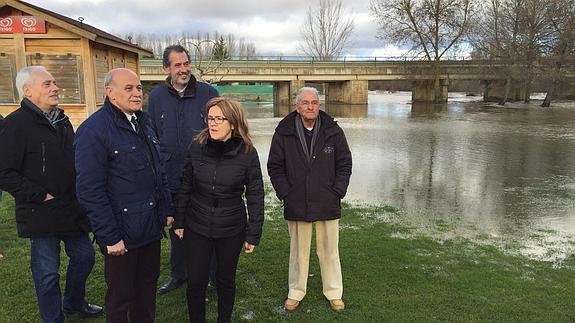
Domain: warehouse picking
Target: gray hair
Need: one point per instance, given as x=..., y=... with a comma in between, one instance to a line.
x=306, y=89
x=108, y=79
x=24, y=77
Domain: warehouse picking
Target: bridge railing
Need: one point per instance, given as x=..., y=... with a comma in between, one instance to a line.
x=312, y=59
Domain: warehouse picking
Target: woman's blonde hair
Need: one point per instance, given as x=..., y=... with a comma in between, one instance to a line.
x=236, y=116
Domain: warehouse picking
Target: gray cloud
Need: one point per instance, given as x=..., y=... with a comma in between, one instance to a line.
x=272, y=25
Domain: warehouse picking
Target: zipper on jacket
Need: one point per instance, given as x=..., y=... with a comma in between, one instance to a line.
x=43, y=158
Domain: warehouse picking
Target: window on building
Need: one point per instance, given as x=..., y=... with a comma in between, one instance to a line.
x=8, y=93
x=68, y=72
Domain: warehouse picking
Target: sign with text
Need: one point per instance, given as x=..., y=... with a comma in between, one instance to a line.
x=22, y=24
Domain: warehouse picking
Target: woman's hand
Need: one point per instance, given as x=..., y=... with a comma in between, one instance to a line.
x=179, y=233
x=248, y=247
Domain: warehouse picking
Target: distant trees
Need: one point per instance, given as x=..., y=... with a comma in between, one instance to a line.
x=326, y=30
x=431, y=28
x=561, y=43
x=520, y=33
x=236, y=48
x=533, y=39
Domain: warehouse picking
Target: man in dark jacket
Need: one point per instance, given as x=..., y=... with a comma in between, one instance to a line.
x=1, y=119
x=309, y=165
x=37, y=168
x=122, y=185
x=177, y=110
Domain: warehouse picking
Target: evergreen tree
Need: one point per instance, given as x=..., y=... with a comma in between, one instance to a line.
x=220, y=51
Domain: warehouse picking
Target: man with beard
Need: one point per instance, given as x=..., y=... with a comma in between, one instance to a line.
x=177, y=110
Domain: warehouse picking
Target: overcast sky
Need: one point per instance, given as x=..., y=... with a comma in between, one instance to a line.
x=272, y=25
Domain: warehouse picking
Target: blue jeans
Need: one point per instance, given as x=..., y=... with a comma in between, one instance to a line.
x=45, y=265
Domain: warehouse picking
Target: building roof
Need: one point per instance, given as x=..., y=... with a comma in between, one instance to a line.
x=98, y=34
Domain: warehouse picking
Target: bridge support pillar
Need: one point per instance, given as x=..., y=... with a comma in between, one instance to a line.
x=424, y=91
x=494, y=91
x=348, y=92
x=284, y=96
x=295, y=85
x=282, y=93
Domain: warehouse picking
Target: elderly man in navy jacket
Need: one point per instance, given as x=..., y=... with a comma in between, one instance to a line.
x=177, y=109
x=122, y=185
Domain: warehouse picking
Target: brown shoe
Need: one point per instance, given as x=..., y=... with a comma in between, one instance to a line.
x=291, y=305
x=337, y=305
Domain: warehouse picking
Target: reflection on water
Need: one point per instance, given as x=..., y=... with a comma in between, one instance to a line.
x=346, y=111
x=503, y=171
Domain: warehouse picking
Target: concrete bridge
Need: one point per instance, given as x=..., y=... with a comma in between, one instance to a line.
x=347, y=81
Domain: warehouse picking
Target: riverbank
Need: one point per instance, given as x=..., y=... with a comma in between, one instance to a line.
x=391, y=273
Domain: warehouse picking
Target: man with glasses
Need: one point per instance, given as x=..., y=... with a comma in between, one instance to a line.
x=177, y=110
x=309, y=166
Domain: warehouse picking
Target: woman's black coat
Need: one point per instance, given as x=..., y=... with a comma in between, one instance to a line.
x=215, y=177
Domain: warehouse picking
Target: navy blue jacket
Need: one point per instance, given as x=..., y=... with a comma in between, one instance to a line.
x=120, y=178
x=177, y=121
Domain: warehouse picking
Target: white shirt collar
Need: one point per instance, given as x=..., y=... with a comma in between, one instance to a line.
x=129, y=116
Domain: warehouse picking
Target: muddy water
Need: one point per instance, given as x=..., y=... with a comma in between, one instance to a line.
x=478, y=170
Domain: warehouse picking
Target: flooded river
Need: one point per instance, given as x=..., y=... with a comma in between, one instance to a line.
x=499, y=173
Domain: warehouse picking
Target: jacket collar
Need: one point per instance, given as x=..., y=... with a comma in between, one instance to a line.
x=120, y=117
x=189, y=91
x=39, y=115
x=229, y=148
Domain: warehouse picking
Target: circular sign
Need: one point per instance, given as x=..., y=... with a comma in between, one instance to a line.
x=5, y=22
x=28, y=22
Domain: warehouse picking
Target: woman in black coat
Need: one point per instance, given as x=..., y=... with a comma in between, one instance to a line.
x=210, y=212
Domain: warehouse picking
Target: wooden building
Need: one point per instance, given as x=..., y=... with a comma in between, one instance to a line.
x=76, y=54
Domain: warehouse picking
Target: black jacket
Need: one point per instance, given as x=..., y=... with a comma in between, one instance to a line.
x=310, y=191
x=210, y=198
x=38, y=158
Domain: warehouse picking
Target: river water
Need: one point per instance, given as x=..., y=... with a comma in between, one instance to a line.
x=468, y=169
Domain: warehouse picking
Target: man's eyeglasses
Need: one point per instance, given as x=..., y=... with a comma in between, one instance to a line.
x=216, y=119
x=308, y=103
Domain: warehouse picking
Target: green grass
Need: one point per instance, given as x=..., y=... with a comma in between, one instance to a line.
x=390, y=275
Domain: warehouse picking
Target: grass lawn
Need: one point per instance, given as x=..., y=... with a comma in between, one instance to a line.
x=389, y=275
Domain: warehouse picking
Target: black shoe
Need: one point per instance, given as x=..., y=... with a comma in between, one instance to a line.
x=87, y=310
x=170, y=285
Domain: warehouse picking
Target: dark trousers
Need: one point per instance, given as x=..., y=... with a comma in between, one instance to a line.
x=177, y=260
x=199, y=250
x=132, y=280
x=45, y=266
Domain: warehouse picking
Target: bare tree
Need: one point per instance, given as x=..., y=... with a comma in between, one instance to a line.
x=536, y=28
x=432, y=28
x=561, y=43
x=514, y=32
x=326, y=31
x=496, y=36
